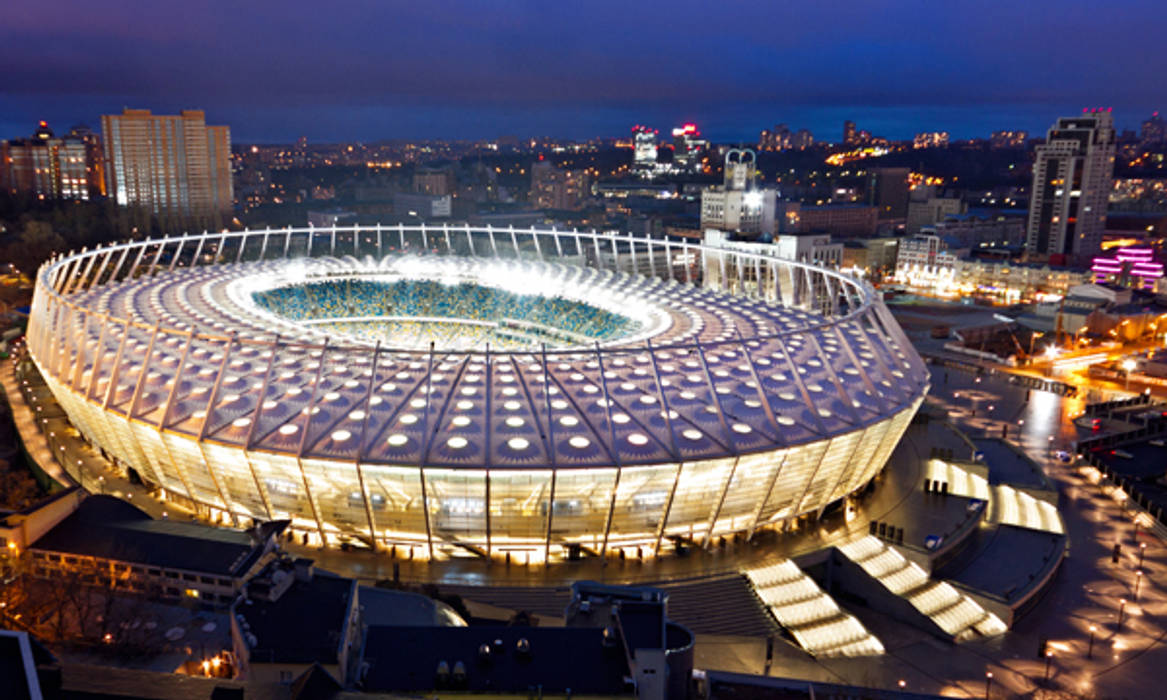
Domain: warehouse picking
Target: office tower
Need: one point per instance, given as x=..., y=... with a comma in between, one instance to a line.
x=644, y=147
x=49, y=167
x=739, y=204
x=174, y=166
x=1072, y=178
x=849, y=135
x=688, y=146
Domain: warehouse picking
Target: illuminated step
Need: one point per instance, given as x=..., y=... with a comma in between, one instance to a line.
x=952, y=611
x=810, y=615
x=1011, y=506
x=961, y=482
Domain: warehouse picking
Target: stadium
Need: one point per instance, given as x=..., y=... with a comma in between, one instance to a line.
x=441, y=390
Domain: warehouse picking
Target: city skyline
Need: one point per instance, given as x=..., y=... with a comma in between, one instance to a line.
x=454, y=71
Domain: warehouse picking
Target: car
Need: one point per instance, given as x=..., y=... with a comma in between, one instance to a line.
x=1158, y=443
x=1122, y=453
x=1064, y=457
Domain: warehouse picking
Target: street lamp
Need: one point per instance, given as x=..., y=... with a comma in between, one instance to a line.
x=1142, y=552
x=1090, y=649
x=988, y=683
x=1128, y=365
x=1048, y=656
x=903, y=684
x=1121, y=609
x=1138, y=580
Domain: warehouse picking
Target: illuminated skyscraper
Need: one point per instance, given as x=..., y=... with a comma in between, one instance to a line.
x=688, y=146
x=173, y=165
x=1072, y=178
x=644, y=147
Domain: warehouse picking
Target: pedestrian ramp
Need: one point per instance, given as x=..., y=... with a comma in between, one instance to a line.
x=811, y=616
x=955, y=613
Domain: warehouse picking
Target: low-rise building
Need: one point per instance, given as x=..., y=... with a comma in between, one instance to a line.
x=423, y=206
x=839, y=219
x=292, y=617
x=109, y=542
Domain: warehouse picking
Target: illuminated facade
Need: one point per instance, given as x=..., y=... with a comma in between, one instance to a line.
x=49, y=167
x=172, y=165
x=724, y=398
x=739, y=204
x=1072, y=175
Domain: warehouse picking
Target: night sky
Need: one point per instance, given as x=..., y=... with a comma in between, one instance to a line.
x=378, y=69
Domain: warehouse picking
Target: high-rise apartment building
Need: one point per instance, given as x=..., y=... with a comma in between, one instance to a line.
x=552, y=188
x=1072, y=174
x=1154, y=129
x=50, y=167
x=850, y=138
x=175, y=166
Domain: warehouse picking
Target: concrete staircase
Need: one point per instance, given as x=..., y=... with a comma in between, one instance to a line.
x=958, y=615
x=810, y=615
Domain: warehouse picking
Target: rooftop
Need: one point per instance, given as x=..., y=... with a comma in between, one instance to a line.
x=556, y=658
x=109, y=528
x=303, y=625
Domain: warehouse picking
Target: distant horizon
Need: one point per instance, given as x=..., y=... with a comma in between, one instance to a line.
x=721, y=123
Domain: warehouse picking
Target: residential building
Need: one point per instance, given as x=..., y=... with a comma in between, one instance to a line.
x=1008, y=139
x=554, y=188
x=887, y=190
x=1072, y=178
x=777, y=139
x=739, y=205
x=850, y=137
x=931, y=139
x=981, y=228
x=815, y=248
x=926, y=209
x=51, y=167
x=422, y=206
x=175, y=166
x=1154, y=129
x=433, y=181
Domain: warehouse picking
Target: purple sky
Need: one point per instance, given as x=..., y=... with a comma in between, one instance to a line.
x=370, y=69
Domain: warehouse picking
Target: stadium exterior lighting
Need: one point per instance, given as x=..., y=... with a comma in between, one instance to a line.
x=530, y=391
